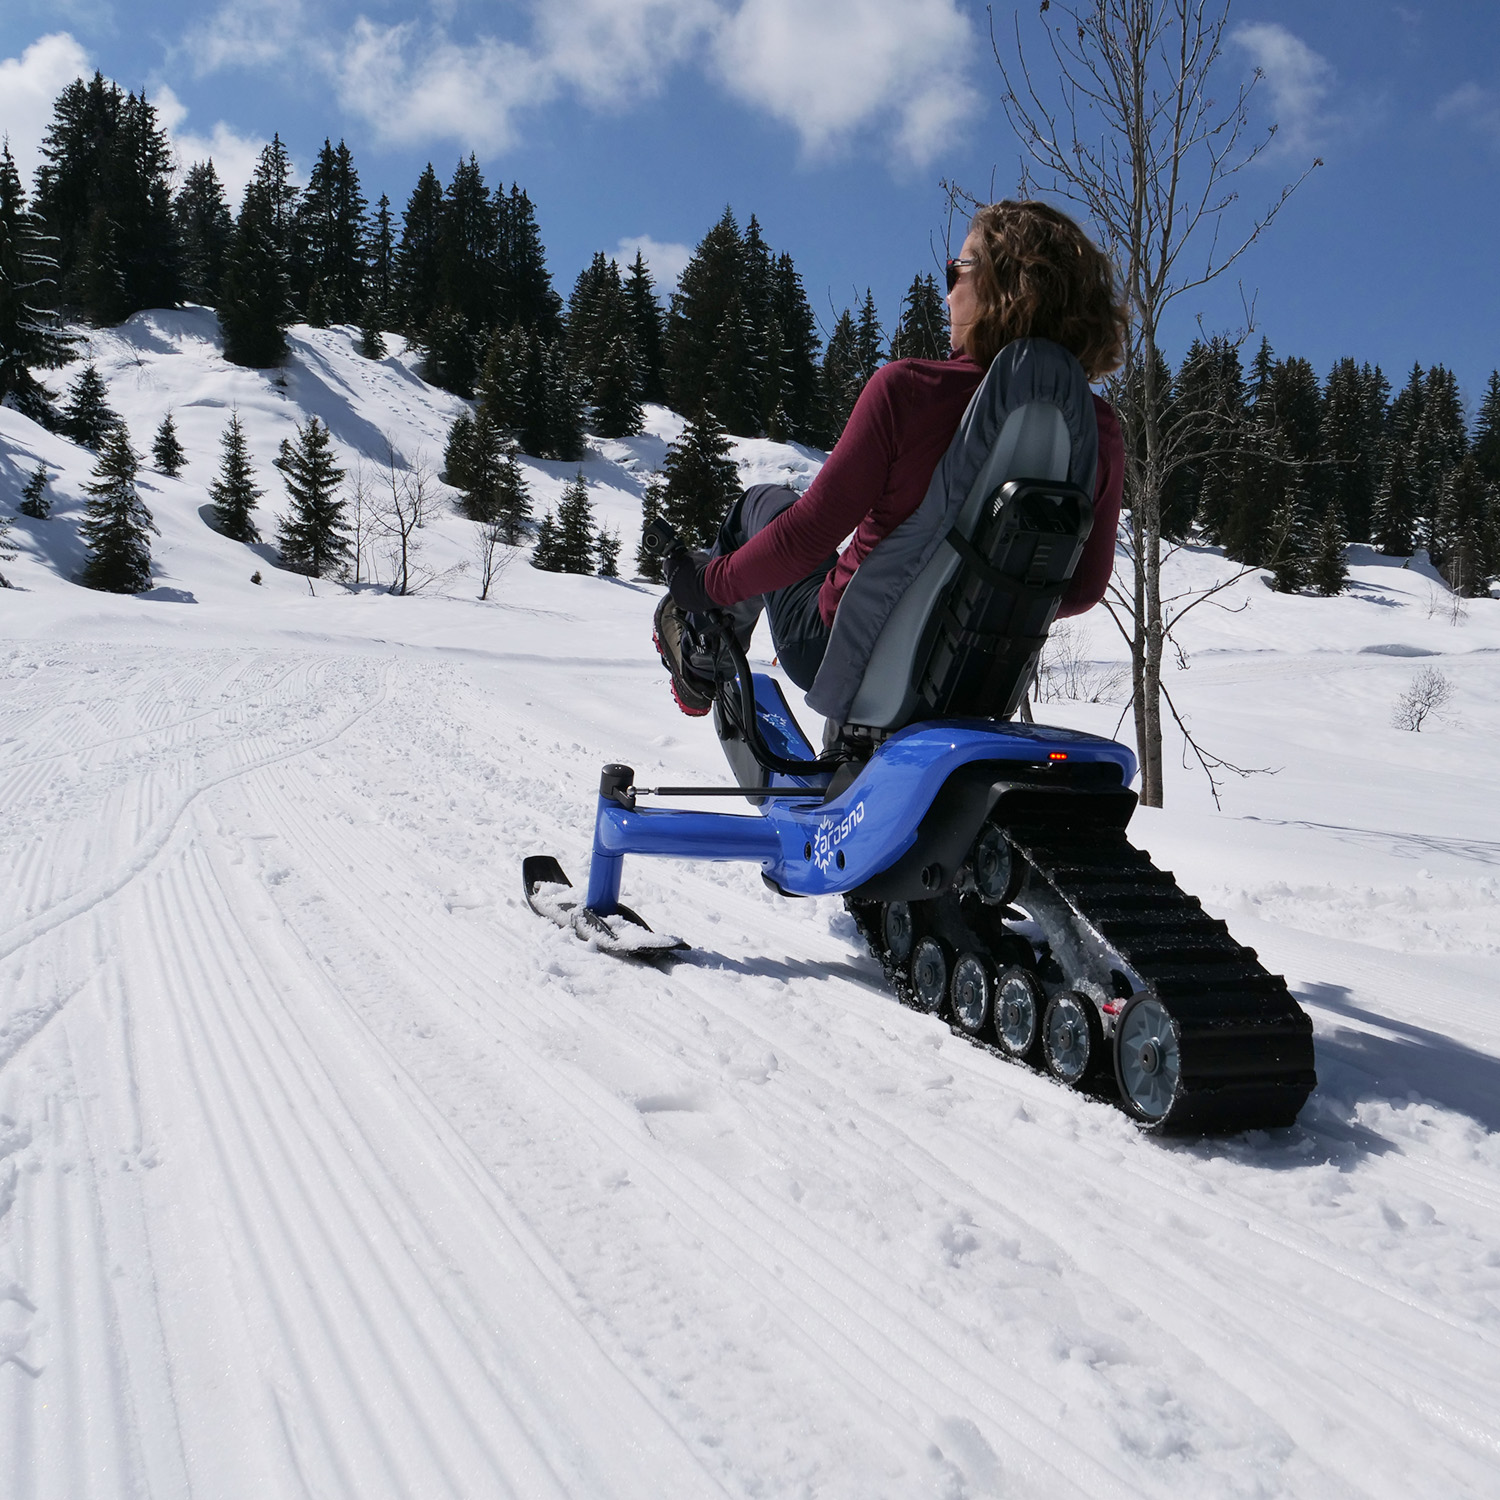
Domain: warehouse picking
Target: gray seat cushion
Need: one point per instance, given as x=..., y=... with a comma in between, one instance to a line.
x=1031, y=418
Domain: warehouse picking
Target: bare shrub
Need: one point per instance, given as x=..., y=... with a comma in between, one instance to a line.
x=491, y=554
x=402, y=502
x=1065, y=671
x=1425, y=699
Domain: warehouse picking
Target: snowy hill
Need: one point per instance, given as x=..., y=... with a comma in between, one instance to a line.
x=326, y=1168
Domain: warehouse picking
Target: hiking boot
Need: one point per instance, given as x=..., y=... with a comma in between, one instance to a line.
x=672, y=639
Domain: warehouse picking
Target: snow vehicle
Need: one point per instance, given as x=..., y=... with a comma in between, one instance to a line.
x=983, y=860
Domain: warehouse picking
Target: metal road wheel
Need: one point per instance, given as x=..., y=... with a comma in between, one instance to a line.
x=971, y=992
x=897, y=929
x=1072, y=1038
x=929, y=973
x=997, y=869
x=1148, y=1061
x=1018, y=1013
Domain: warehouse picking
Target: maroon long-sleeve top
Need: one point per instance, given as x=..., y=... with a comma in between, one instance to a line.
x=899, y=430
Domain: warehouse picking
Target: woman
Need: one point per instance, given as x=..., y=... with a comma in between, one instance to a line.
x=1025, y=271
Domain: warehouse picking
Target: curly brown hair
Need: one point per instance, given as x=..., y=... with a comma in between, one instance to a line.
x=1040, y=276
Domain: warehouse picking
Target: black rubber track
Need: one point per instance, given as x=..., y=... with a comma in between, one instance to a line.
x=1245, y=1045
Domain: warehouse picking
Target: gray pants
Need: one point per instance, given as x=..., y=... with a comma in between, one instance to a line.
x=797, y=629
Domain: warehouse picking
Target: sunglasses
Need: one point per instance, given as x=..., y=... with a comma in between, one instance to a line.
x=954, y=267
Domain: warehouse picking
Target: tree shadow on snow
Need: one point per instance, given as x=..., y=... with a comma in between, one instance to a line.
x=1403, y=1062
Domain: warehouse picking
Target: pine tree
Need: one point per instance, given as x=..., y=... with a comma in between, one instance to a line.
x=526, y=294
x=1486, y=449
x=312, y=538
x=104, y=190
x=841, y=377
x=1468, y=544
x=30, y=332
x=255, y=299
x=922, y=329
x=450, y=355
x=117, y=526
x=544, y=555
x=469, y=249
x=381, y=257
x=1440, y=443
x=418, y=261
x=204, y=230
x=869, y=339
x=799, y=385
x=372, y=343
x=6, y=555
x=575, y=541
x=564, y=404
x=166, y=452
x=88, y=417
x=34, y=501
x=701, y=481
x=1291, y=560
x=736, y=373
x=647, y=323
x=1328, y=565
x=653, y=502
x=607, y=550
x=234, y=493
x=331, y=232
x=512, y=498
x=1394, y=524
x=708, y=282
x=1207, y=408
x=616, y=390
x=458, y=453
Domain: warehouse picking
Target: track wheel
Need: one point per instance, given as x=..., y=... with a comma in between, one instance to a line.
x=1072, y=1038
x=929, y=973
x=971, y=993
x=1148, y=1059
x=897, y=930
x=1018, y=1013
x=997, y=867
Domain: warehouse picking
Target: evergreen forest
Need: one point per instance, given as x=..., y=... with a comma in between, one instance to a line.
x=1275, y=464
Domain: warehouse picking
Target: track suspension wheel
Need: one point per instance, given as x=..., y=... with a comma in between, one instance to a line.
x=929, y=973
x=898, y=931
x=971, y=994
x=1072, y=1039
x=1148, y=1059
x=1018, y=1013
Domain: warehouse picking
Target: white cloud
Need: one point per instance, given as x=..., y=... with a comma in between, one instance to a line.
x=611, y=51
x=240, y=35
x=828, y=70
x=1476, y=107
x=28, y=85
x=1298, y=80
x=895, y=69
x=410, y=88
x=665, y=260
x=232, y=154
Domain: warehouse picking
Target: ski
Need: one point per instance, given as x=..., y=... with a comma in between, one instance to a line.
x=621, y=935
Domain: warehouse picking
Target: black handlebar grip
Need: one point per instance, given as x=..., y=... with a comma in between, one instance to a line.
x=659, y=539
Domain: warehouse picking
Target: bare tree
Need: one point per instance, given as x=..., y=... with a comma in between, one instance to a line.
x=1425, y=699
x=492, y=554
x=402, y=502
x=362, y=517
x=1127, y=128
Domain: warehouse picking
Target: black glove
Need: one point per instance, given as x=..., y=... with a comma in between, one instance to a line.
x=685, y=581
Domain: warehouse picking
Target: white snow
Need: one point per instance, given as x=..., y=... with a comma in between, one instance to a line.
x=328, y=1169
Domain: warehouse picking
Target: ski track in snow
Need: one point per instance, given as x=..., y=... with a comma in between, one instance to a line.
x=346, y=1176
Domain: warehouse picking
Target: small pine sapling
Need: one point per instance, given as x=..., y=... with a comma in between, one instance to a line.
x=117, y=527
x=234, y=493
x=168, y=453
x=545, y=554
x=607, y=546
x=1328, y=568
x=34, y=500
x=313, y=538
x=6, y=555
x=648, y=564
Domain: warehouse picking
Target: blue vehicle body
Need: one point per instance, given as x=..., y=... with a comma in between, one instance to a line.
x=812, y=847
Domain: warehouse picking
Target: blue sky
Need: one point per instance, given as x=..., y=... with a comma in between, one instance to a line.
x=834, y=121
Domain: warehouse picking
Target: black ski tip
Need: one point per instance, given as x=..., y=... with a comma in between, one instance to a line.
x=541, y=869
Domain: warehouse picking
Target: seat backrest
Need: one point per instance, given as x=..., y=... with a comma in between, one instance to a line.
x=1032, y=418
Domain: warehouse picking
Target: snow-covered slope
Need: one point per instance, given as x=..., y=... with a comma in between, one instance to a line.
x=327, y=1169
